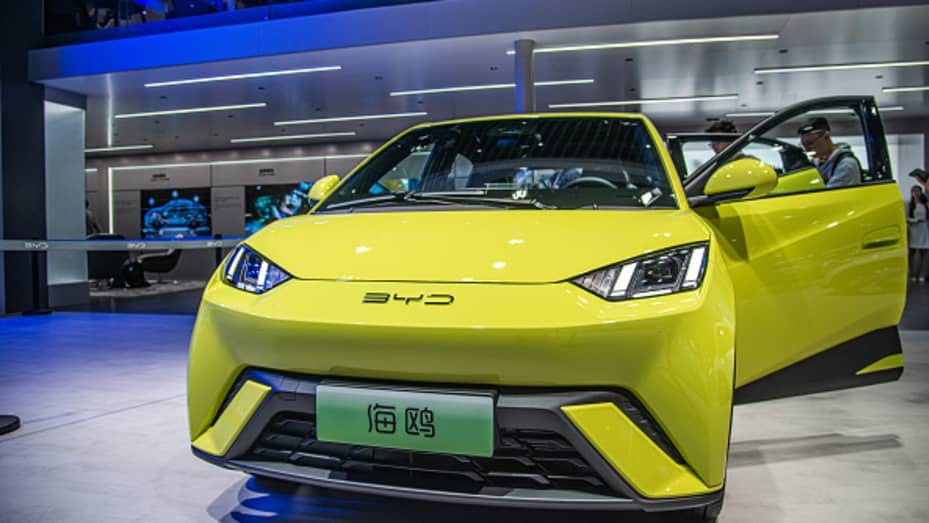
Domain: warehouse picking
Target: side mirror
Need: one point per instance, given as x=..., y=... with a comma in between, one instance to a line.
x=742, y=178
x=323, y=187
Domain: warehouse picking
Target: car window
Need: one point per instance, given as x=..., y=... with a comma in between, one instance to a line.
x=816, y=150
x=558, y=162
x=696, y=153
x=769, y=154
x=784, y=157
x=406, y=175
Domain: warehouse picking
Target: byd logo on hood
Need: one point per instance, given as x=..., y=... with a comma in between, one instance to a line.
x=425, y=299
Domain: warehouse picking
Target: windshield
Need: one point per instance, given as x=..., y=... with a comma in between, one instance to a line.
x=520, y=163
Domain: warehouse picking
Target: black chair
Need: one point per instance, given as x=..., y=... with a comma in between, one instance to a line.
x=160, y=262
x=105, y=265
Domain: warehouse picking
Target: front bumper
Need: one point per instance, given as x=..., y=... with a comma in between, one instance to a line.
x=673, y=355
x=541, y=459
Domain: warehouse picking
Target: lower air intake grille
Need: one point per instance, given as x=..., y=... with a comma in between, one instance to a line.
x=523, y=459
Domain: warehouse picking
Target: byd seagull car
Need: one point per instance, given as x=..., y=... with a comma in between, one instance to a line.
x=538, y=311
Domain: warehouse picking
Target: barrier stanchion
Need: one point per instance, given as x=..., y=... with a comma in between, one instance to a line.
x=37, y=248
x=8, y=423
x=39, y=305
x=218, y=252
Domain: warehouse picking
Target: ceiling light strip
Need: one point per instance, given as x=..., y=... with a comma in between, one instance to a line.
x=762, y=114
x=291, y=137
x=647, y=101
x=550, y=83
x=653, y=43
x=118, y=148
x=765, y=114
x=224, y=78
x=464, y=88
x=912, y=89
x=850, y=111
x=838, y=67
x=352, y=118
x=236, y=162
x=193, y=110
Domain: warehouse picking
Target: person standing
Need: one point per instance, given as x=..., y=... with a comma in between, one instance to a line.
x=90, y=220
x=836, y=163
x=721, y=127
x=917, y=220
x=922, y=178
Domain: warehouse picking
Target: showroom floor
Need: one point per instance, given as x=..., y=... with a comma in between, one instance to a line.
x=104, y=438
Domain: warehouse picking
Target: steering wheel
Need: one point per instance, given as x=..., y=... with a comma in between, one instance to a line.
x=595, y=180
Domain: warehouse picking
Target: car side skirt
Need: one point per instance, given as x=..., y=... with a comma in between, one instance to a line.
x=875, y=357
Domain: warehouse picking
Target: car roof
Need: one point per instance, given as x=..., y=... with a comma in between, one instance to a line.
x=534, y=116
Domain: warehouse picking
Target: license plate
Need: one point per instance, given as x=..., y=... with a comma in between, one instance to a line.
x=405, y=419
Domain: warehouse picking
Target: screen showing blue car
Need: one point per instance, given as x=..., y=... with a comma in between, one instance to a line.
x=176, y=213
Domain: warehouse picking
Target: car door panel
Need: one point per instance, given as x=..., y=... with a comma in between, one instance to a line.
x=804, y=180
x=804, y=282
x=819, y=276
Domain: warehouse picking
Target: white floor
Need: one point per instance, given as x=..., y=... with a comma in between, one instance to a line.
x=104, y=438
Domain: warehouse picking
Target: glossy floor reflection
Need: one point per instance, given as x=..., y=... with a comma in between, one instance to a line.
x=265, y=501
x=104, y=438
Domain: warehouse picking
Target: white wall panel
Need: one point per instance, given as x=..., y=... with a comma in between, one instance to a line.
x=906, y=154
x=341, y=166
x=162, y=178
x=126, y=209
x=267, y=173
x=228, y=208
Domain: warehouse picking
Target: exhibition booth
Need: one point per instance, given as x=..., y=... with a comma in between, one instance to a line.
x=463, y=260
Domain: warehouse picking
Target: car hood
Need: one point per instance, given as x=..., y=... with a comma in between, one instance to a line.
x=505, y=246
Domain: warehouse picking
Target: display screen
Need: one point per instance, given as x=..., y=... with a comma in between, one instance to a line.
x=176, y=213
x=267, y=203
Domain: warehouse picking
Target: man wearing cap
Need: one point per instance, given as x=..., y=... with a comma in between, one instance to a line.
x=836, y=162
x=720, y=127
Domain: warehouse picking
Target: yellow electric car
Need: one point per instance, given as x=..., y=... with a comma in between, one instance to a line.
x=537, y=311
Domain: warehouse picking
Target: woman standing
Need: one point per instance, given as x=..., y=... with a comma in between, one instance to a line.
x=917, y=219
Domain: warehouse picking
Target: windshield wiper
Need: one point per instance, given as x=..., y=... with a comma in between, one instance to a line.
x=479, y=197
x=445, y=197
x=375, y=200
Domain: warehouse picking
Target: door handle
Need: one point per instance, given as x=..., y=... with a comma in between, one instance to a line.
x=886, y=237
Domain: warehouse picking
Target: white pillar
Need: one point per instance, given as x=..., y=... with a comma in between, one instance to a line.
x=64, y=201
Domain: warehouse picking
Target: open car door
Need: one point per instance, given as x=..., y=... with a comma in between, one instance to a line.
x=819, y=261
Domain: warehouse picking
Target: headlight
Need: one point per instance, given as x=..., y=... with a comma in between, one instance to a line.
x=247, y=270
x=674, y=270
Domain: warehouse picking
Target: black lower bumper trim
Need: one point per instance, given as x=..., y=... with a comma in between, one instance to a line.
x=540, y=461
